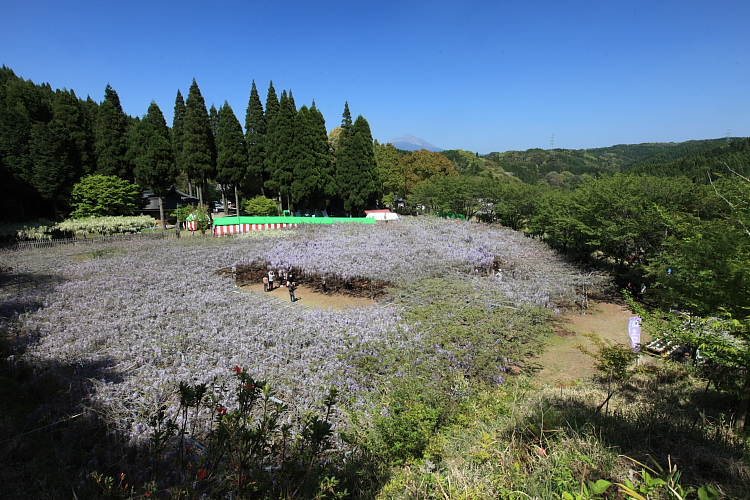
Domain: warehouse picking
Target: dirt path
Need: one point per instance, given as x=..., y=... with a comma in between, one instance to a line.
x=561, y=362
x=309, y=296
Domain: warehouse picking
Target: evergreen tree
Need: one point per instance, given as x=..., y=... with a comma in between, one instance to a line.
x=15, y=163
x=322, y=152
x=356, y=169
x=272, y=109
x=52, y=154
x=199, y=147
x=304, y=186
x=346, y=119
x=111, y=146
x=154, y=161
x=312, y=186
x=178, y=124
x=255, y=131
x=280, y=153
x=70, y=112
x=272, y=102
x=231, y=163
x=213, y=118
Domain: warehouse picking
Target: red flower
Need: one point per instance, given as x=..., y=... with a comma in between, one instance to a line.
x=248, y=386
x=221, y=410
x=201, y=474
x=237, y=369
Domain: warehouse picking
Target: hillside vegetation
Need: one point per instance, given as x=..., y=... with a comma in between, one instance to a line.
x=174, y=383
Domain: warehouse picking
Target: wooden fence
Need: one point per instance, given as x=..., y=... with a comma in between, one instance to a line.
x=39, y=244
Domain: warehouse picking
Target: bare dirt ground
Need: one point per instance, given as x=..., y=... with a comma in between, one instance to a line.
x=314, y=297
x=562, y=362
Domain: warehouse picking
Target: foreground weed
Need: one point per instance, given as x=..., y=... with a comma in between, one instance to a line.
x=658, y=483
x=256, y=450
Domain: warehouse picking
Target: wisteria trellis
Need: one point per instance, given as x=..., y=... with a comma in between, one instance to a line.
x=143, y=319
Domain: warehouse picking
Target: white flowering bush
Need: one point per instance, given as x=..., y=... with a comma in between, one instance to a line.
x=107, y=225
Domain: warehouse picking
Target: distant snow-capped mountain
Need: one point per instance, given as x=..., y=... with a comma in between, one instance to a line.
x=411, y=143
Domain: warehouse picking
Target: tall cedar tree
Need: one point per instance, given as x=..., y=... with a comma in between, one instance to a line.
x=322, y=152
x=17, y=197
x=343, y=161
x=356, y=170
x=178, y=128
x=272, y=109
x=231, y=162
x=111, y=141
x=213, y=118
x=280, y=154
x=255, y=131
x=311, y=170
x=72, y=115
x=199, y=147
x=304, y=184
x=52, y=152
x=366, y=192
x=154, y=161
x=272, y=102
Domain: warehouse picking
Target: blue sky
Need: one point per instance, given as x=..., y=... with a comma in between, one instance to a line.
x=477, y=75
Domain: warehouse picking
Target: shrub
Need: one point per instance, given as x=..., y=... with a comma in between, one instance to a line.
x=261, y=206
x=611, y=359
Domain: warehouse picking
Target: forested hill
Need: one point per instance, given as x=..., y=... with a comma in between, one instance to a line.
x=691, y=159
x=696, y=163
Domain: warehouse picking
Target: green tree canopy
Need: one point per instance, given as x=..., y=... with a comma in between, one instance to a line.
x=69, y=110
x=255, y=134
x=198, y=145
x=312, y=184
x=153, y=158
x=178, y=126
x=261, y=206
x=280, y=153
x=231, y=162
x=449, y=193
x=100, y=195
x=53, y=155
x=111, y=144
x=356, y=169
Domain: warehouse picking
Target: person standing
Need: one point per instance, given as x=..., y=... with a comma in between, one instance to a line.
x=291, y=286
x=271, y=277
x=265, y=283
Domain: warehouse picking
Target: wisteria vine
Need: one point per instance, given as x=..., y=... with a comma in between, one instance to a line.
x=142, y=318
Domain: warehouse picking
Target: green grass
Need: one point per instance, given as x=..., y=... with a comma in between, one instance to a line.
x=539, y=442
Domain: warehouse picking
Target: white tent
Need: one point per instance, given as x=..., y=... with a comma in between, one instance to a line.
x=382, y=215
